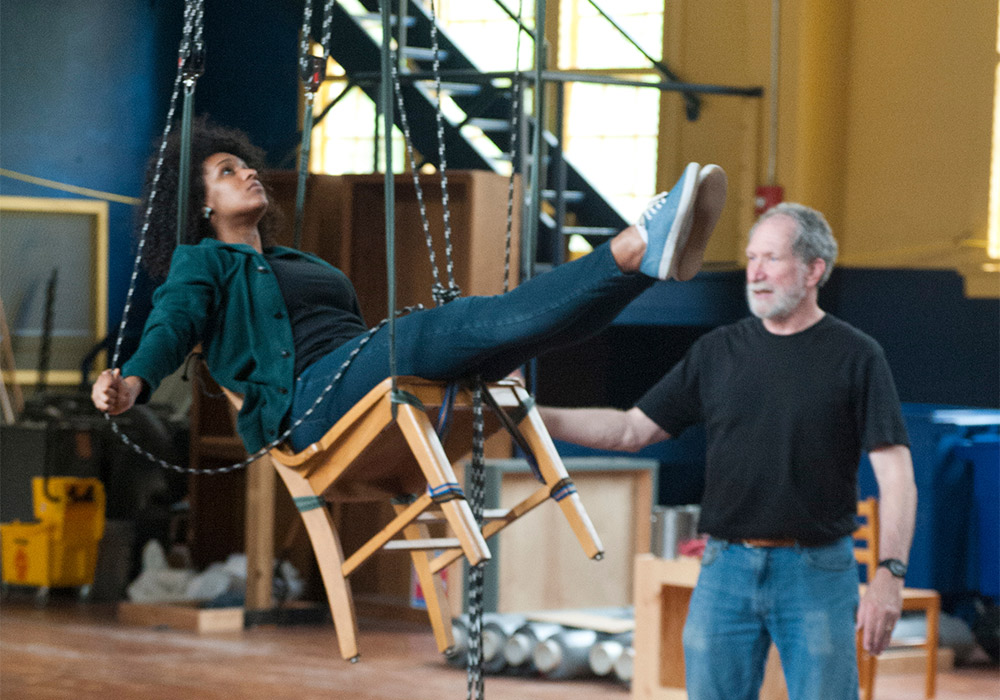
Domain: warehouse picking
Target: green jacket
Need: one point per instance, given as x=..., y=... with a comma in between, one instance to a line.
x=224, y=296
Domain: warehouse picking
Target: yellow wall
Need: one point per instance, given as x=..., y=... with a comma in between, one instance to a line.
x=885, y=116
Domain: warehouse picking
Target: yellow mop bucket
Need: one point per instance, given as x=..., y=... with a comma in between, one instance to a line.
x=60, y=549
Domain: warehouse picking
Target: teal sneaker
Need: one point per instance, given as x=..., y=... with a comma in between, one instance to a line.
x=666, y=223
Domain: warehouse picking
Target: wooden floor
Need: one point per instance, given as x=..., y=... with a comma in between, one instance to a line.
x=79, y=651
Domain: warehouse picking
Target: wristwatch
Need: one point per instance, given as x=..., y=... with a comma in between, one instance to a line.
x=895, y=567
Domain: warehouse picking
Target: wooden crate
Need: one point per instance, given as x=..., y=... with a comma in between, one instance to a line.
x=537, y=562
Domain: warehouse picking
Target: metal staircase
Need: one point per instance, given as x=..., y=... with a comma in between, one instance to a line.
x=488, y=111
x=571, y=203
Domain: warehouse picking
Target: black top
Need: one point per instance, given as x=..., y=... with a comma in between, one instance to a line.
x=786, y=418
x=322, y=306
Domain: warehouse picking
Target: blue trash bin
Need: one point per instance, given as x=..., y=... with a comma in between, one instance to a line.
x=983, y=453
x=948, y=551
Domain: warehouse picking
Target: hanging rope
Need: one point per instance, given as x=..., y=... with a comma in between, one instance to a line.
x=191, y=65
x=477, y=497
x=453, y=290
x=441, y=293
x=312, y=71
x=190, y=13
x=515, y=112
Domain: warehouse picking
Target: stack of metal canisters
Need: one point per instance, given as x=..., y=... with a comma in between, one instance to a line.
x=514, y=645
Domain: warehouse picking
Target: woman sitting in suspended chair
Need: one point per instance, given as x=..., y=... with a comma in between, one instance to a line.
x=277, y=325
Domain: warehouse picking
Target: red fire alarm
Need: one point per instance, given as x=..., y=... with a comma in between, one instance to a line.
x=767, y=197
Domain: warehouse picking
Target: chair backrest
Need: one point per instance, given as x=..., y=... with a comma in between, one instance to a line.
x=866, y=536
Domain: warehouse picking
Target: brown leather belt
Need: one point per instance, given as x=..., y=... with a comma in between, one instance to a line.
x=767, y=543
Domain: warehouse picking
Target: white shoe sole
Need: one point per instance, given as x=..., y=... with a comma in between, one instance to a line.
x=709, y=201
x=682, y=222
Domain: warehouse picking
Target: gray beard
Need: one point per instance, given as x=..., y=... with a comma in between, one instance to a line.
x=784, y=303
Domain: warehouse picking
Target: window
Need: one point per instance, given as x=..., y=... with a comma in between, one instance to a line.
x=605, y=126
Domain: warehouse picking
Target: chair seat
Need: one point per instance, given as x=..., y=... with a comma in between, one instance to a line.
x=370, y=467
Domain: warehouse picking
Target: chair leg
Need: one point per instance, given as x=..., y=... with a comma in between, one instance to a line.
x=432, y=586
x=866, y=669
x=427, y=449
x=933, y=620
x=553, y=471
x=866, y=673
x=330, y=558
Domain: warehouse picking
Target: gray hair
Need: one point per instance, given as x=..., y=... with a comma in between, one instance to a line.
x=813, y=237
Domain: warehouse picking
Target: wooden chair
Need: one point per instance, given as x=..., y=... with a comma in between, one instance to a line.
x=369, y=455
x=866, y=543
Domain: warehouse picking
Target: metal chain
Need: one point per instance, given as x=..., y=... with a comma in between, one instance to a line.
x=477, y=497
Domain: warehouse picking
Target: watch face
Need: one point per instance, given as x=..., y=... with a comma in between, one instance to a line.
x=895, y=567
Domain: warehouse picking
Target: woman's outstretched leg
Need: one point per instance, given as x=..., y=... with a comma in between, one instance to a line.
x=496, y=334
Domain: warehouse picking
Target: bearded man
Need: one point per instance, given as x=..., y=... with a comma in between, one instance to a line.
x=790, y=397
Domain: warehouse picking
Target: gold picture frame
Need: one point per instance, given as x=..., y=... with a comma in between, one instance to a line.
x=39, y=235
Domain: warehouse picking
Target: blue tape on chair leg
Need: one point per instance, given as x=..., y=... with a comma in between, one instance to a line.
x=306, y=503
x=562, y=489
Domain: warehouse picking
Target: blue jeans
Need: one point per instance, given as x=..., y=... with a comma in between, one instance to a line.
x=490, y=336
x=802, y=598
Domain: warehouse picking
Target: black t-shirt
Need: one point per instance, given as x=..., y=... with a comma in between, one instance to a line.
x=786, y=419
x=322, y=306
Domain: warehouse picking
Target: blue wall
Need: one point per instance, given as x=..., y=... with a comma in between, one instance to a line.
x=86, y=88
x=941, y=346
x=75, y=105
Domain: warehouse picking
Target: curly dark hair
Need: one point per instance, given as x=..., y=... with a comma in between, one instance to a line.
x=206, y=139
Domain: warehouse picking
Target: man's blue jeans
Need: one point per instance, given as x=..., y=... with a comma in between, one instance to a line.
x=490, y=336
x=803, y=598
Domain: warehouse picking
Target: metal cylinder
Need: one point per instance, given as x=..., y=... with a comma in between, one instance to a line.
x=624, y=665
x=565, y=655
x=605, y=653
x=521, y=645
x=459, y=653
x=672, y=525
x=497, y=629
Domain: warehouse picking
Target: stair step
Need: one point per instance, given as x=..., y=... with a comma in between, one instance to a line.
x=596, y=231
x=456, y=88
x=420, y=53
x=570, y=196
x=376, y=18
x=490, y=124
